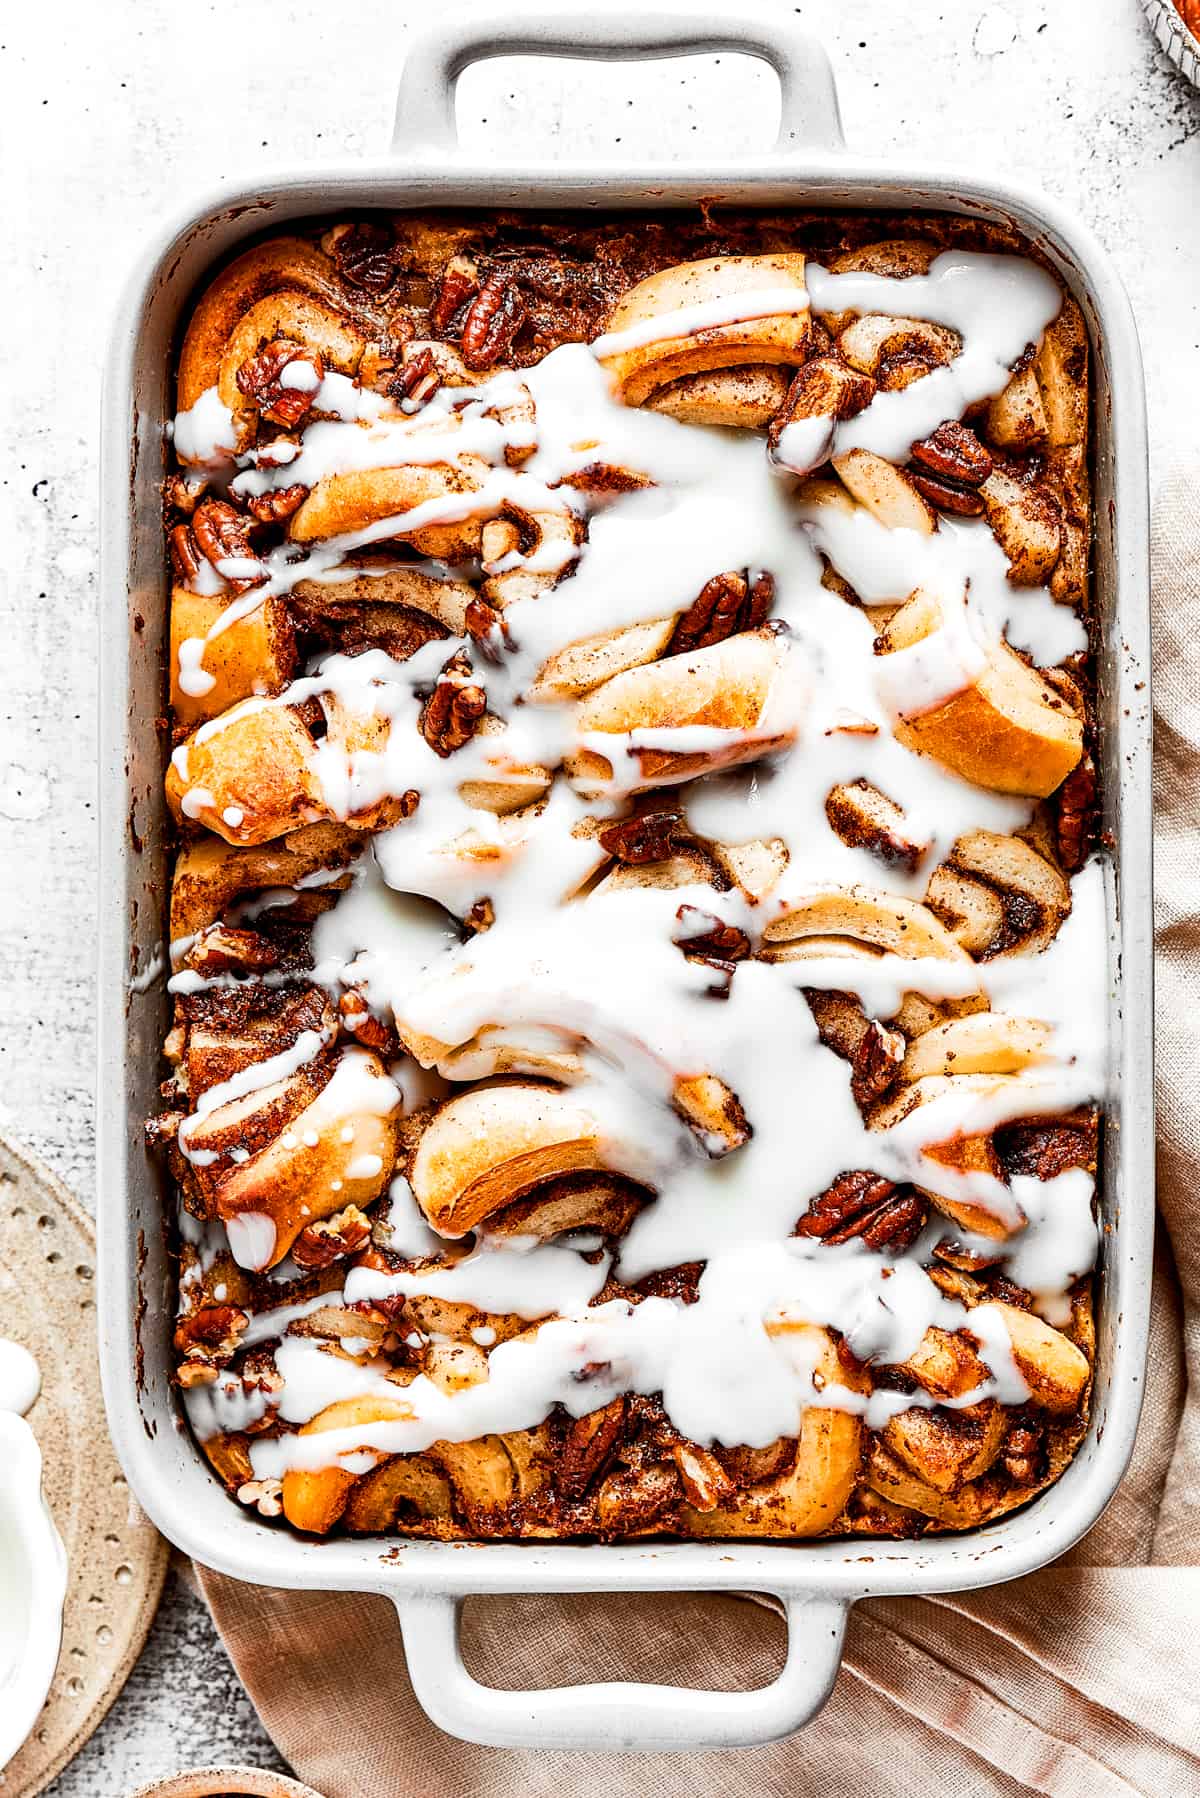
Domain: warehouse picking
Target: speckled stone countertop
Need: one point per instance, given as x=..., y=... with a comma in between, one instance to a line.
x=113, y=115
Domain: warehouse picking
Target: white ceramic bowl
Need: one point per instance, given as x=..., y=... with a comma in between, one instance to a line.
x=33, y=1584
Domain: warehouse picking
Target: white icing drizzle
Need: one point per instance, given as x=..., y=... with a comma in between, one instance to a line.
x=600, y=977
x=998, y=304
x=204, y=436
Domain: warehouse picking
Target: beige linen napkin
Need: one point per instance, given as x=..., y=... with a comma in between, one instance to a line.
x=1080, y=1681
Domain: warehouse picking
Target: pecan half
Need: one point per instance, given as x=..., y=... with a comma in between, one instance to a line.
x=860, y=1203
x=323, y=1243
x=961, y=502
x=458, y=285
x=495, y=316
x=259, y=379
x=951, y=466
x=1075, y=823
x=185, y=558
x=451, y=714
x=954, y=453
x=652, y=837
x=277, y=504
x=222, y=534
x=590, y=1445
x=368, y=256
x=727, y=604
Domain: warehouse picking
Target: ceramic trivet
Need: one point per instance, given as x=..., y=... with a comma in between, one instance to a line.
x=117, y=1560
x=226, y=1782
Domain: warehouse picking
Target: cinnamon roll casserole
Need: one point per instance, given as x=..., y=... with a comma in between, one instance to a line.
x=638, y=934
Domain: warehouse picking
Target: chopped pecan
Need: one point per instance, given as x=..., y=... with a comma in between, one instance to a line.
x=1076, y=821
x=1024, y=1454
x=260, y=380
x=727, y=604
x=485, y=627
x=368, y=256
x=277, y=504
x=682, y=1283
x=705, y=1482
x=323, y=1243
x=185, y=558
x=458, y=285
x=703, y=937
x=417, y=381
x=652, y=837
x=451, y=714
x=210, y=1335
x=481, y=916
x=362, y=1024
x=182, y=493
x=875, y=1062
x=860, y=1203
x=263, y=1496
x=221, y=534
x=590, y=1445
x=495, y=316
x=259, y=1373
x=191, y=1373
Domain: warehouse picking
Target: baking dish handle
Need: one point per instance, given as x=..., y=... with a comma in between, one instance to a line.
x=425, y=121
x=618, y=1714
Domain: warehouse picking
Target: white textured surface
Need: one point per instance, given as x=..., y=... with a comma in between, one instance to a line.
x=113, y=114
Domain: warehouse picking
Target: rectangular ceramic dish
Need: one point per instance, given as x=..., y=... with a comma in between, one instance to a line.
x=815, y=1581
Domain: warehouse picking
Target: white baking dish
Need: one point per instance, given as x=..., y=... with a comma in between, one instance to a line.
x=816, y=1582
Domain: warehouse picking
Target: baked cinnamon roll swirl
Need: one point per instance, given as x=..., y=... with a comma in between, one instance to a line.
x=637, y=925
